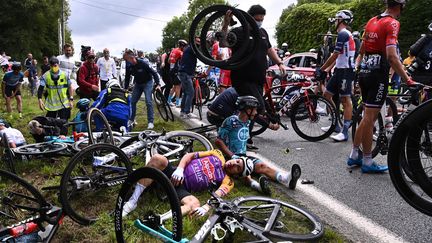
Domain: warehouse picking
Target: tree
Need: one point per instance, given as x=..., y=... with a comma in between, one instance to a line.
x=31, y=26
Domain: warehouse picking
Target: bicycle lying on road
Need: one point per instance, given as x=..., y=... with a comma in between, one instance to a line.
x=266, y=219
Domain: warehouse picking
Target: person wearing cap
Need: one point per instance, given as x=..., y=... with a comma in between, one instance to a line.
x=192, y=175
x=59, y=100
x=14, y=136
x=11, y=87
x=88, y=79
x=144, y=76
x=115, y=104
x=107, y=68
x=41, y=126
x=174, y=59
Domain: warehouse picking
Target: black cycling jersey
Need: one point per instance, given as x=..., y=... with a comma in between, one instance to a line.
x=224, y=104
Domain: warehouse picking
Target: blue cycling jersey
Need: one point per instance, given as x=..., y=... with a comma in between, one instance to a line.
x=235, y=134
x=12, y=79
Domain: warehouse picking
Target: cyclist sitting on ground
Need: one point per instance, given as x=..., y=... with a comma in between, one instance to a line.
x=115, y=104
x=192, y=175
x=231, y=140
x=11, y=87
x=14, y=136
x=341, y=81
x=83, y=106
x=42, y=126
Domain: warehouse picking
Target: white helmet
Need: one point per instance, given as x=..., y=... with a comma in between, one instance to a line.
x=284, y=44
x=112, y=82
x=346, y=15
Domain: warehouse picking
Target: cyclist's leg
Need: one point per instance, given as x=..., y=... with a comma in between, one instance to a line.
x=289, y=178
x=19, y=101
x=8, y=93
x=345, y=88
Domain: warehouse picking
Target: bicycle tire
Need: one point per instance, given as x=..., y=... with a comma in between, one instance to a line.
x=45, y=148
x=20, y=200
x=276, y=81
x=249, y=206
x=258, y=125
x=8, y=157
x=83, y=143
x=212, y=89
x=161, y=104
x=92, y=181
x=91, y=115
x=399, y=140
x=187, y=139
x=165, y=185
x=313, y=118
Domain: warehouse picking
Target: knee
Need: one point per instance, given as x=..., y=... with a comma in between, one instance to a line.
x=262, y=168
x=191, y=202
x=158, y=161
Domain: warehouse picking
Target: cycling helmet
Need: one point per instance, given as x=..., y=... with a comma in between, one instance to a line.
x=356, y=34
x=2, y=122
x=248, y=166
x=112, y=82
x=16, y=66
x=83, y=104
x=346, y=15
x=182, y=42
x=284, y=44
x=53, y=60
x=430, y=27
x=246, y=102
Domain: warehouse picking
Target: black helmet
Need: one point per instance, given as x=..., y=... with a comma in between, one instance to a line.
x=16, y=66
x=246, y=102
x=53, y=60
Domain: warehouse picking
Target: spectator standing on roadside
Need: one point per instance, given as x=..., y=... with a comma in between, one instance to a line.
x=67, y=61
x=45, y=67
x=165, y=73
x=186, y=72
x=33, y=77
x=107, y=68
x=174, y=59
x=88, y=80
x=11, y=87
x=144, y=76
x=59, y=99
x=30, y=69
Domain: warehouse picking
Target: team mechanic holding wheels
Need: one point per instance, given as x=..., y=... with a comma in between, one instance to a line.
x=249, y=55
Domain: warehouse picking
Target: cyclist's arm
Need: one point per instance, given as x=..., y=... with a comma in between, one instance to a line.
x=394, y=61
x=41, y=87
x=220, y=144
x=226, y=186
x=330, y=61
x=186, y=159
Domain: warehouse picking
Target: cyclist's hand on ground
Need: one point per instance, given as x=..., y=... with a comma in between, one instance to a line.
x=41, y=105
x=200, y=212
x=177, y=176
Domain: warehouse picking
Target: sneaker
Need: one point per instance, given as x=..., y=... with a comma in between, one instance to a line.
x=374, y=168
x=340, y=137
x=295, y=175
x=127, y=208
x=150, y=125
x=325, y=129
x=20, y=115
x=182, y=115
x=171, y=104
x=357, y=162
x=265, y=185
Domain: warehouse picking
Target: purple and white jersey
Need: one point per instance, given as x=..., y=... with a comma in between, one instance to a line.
x=345, y=46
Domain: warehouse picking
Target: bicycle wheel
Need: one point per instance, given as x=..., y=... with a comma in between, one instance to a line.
x=89, y=184
x=198, y=101
x=83, y=143
x=212, y=85
x=46, y=149
x=8, y=156
x=148, y=209
x=161, y=104
x=307, y=122
x=276, y=81
x=405, y=185
x=281, y=219
x=19, y=201
x=205, y=91
x=97, y=122
x=258, y=125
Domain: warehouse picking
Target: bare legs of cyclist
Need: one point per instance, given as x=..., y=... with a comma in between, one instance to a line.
x=9, y=105
x=347, y=106
x=363, y=137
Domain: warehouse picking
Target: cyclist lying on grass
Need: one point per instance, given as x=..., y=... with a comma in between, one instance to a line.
x=232, y=139
x=196, y=172
x=14, y=136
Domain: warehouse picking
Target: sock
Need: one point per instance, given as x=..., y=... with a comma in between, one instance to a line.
x=346, y=126
x=165, y=216
x=255, y=185
x=178, y=101
x=354, y=152
x=137, y=193
x=283, y=178
x=367, y=159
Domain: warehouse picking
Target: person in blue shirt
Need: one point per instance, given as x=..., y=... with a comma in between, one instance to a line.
x=186, y=72
x=11, y=87
x=115, y=104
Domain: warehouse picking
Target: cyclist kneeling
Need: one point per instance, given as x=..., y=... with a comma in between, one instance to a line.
x=115, y=104
x=42, y=126
x=83, y=106
x=232, y=139
x=192, y=175
x=14, y=136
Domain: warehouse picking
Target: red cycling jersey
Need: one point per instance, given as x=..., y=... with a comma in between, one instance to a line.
x=381, y=31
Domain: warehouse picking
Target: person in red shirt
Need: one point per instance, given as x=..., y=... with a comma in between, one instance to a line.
x=378, y=53
x=88, y=80
x=174, y=58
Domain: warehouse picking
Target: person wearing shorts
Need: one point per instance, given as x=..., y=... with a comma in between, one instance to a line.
x=378, y=53
x=11, y=87
x=340, y=83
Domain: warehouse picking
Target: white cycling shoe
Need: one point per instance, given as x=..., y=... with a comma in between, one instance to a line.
x=340, y=137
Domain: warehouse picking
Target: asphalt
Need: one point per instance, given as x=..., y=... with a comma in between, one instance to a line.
x=362, y=207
